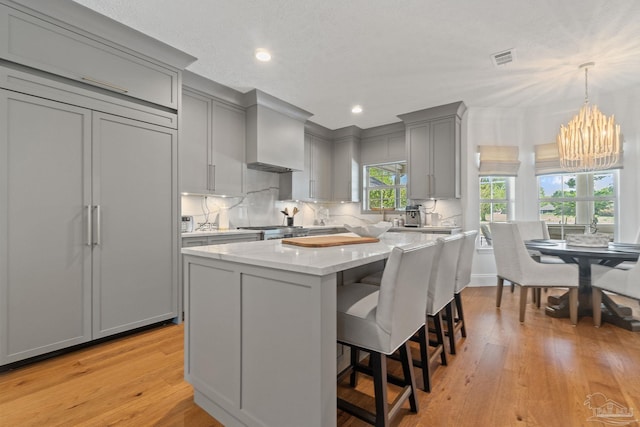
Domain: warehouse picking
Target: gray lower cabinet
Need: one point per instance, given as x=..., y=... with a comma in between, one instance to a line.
x=74, y=264
x=188, y=242
x=327, y=230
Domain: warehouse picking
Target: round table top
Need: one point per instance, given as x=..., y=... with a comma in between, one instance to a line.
x=560, y=247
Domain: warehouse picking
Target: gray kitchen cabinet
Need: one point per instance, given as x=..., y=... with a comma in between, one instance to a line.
x=346, y=169
x=325, y=230
x=219, y=239
x=212, y=146
x=50, y=46
x=76, y=267
x=228, y=149
x=195, y=134
x=134, y=264
x=321, y=154
x=314, y=181
x=433, y=144
x=189, y=242
x=45, y=262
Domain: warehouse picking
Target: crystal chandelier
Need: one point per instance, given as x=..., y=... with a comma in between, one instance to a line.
x=591, y=140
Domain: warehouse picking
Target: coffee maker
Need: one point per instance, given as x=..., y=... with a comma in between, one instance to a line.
x=412, y=216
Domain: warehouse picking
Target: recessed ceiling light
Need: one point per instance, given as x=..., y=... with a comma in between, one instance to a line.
x=356, y=109
x=263, y=55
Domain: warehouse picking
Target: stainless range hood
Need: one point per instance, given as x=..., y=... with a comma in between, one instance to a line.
x=275, y=133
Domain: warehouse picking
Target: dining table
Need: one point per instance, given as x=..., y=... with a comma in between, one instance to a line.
x=585, y=257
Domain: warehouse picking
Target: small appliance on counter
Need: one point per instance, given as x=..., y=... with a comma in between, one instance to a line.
x=412, y=216
x=187, y=224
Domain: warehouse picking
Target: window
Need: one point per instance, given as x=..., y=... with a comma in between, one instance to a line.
x=496, y=201
x=385, y=187
x=575, y=203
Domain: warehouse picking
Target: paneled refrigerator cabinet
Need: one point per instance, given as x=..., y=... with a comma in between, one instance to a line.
x=88, y=225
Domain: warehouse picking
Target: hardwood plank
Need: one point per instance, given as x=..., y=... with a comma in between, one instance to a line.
x=504, y=374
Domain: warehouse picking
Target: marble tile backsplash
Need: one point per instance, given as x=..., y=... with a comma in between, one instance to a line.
x=260, y=206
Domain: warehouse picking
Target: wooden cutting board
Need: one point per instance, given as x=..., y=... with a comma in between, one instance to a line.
x=326, y=241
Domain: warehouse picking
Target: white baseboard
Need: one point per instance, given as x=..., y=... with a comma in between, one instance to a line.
x=479, y=280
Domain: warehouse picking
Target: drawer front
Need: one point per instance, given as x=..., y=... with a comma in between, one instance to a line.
x=39, y=44
x=189, y=242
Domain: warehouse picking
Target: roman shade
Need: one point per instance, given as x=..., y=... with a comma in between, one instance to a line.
x=498, y=160
x=548, y=160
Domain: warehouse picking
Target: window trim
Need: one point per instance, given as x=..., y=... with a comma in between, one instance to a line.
x=588, y=199
x=509, y=199
x=364, y=207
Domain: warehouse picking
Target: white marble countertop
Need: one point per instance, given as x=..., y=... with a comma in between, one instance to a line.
x=316, y=261
x=428, y=228
x=218, y=233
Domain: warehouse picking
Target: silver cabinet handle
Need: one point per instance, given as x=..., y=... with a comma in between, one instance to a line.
x=211, y=178
x=432, y=185
x=105, y=84
x=89, y=225
x=99, y=226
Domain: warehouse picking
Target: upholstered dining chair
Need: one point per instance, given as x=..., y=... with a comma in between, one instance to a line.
x=530, y=230
x=515, y=265
x=622, y=282
x=486, y=233
x=463, y=278
x=629, y=265
x=380, y=320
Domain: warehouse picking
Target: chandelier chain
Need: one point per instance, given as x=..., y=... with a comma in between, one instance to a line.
x=586, y=86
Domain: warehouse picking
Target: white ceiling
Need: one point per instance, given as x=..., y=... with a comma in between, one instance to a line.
x=398, y=56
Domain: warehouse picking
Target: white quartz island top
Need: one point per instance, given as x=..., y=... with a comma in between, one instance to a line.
x=315, y=261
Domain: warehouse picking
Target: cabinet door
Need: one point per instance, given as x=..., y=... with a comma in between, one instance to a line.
x=346, y=171
x=321, y=169
x=189, y=242
x=45, y=262
x=195, y=134
x=227, y=149
x=445, y=169
x=419, y=158
x=297, y=185
x=39, y=44
x=135, y=257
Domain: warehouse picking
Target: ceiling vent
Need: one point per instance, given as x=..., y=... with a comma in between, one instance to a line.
x=503, y=58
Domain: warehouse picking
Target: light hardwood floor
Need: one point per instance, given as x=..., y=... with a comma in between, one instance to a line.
x=505, y=374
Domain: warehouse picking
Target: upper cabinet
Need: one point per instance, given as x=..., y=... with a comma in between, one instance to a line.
x=314, y=181
x=212, y=144
x=346, y=165
x=321, y=153
x=66, y=51
x=433, y=144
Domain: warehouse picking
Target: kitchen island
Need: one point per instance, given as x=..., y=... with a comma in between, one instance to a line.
x=260, y=319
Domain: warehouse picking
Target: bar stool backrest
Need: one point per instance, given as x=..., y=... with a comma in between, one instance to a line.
x=403, y=295
x=442, y=285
